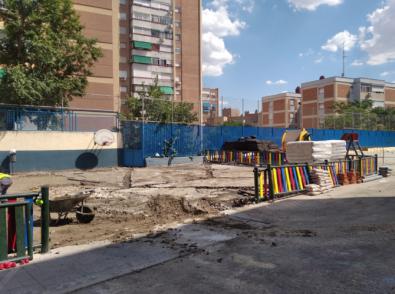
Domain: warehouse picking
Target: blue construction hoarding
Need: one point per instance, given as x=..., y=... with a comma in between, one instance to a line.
x=142, y=140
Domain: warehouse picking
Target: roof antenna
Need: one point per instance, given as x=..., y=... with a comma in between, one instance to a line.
x=344, y=60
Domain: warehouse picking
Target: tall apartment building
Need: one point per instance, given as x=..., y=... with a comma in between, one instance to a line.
x=281, y=110
x=318, y=97
x=100, y=21
x=210, y=104
x=161, y=39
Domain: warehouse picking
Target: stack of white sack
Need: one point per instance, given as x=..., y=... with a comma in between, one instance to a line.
x=322, y=178
x=339, y=149
x=315, y=151
x=313, y=189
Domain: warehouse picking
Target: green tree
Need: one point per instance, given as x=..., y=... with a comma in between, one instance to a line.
x=152, y=104
x=360, y=115
x=45, y=55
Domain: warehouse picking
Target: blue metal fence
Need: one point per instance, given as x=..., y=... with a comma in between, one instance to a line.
x=142, y=140
x=15, y=118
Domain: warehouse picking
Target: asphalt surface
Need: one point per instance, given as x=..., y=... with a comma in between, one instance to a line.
x=343, y=242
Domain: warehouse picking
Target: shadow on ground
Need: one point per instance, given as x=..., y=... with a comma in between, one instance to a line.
x=338, y=245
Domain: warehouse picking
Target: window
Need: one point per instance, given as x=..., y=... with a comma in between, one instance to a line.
x=366, y=88
x=206, y=107
x=378, y=89
x=155, y=19
x=377, y=103
x=155, y=61
x=271, y=106
x=140, y=30
x=123, y=89
x=122, y=30
x=178, y=50
x=168, y=35
x=178, y=37
x=123, y=74
x=321, y=110
x=122, y=45
x=155, y=33
x=122, y=16
x=165, y=20
x=321, y=94
x=141, y=16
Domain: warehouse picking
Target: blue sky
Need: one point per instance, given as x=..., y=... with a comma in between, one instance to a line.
x=254, y=48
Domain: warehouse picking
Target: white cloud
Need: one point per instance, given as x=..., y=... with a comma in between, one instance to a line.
x=309, y=52
x=219, y=22
x=378, y=38
x=279, y=82
x=217, y=25
x=247, y=5
x=319, y=60
x=339, y=40
x=312, y=4
x=216, y=56
x=357, y=62
x=385, y=73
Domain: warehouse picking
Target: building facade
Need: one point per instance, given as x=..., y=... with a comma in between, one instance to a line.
x=161, y=40
x=318, y=97
x=100, y=21
x=281, y=110
x=210, y=105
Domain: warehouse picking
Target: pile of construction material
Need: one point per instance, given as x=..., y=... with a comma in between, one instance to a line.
x=349, y=178
x=321, y=182
x=316, y=151
x=385, y=171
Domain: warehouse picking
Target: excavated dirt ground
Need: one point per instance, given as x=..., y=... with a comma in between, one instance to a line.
x=132, y=202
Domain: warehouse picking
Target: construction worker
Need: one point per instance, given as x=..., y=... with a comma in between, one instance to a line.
x=5, y=183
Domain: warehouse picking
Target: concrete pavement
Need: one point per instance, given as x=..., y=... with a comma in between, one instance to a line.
x=342, y=242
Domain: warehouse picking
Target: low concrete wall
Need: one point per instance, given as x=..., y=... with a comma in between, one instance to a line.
x=43, y=151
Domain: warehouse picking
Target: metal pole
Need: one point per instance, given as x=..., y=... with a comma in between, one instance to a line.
x=222, y=109
x=45, y=219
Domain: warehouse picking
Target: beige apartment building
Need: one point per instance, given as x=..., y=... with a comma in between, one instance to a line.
x=281, y=110
x=210, y=105
x=318, y=97
x=161, y=40
x=100, y=21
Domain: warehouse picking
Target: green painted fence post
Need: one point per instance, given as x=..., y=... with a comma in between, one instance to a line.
x=3, y=234
x=45, y=220
x=20, y=231
x=28, y=217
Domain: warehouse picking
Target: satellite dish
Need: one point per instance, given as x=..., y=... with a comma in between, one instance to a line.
x=104, y=137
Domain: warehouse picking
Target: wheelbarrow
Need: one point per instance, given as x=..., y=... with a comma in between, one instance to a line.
x=74, y=203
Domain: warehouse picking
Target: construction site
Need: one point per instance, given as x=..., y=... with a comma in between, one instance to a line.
x=250, y=213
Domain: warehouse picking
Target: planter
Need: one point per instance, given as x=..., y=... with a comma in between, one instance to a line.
x=167, y=161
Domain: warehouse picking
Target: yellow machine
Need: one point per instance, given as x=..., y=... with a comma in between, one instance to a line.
x=294, y=135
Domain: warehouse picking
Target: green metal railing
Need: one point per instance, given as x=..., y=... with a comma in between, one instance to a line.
x=16, y=210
